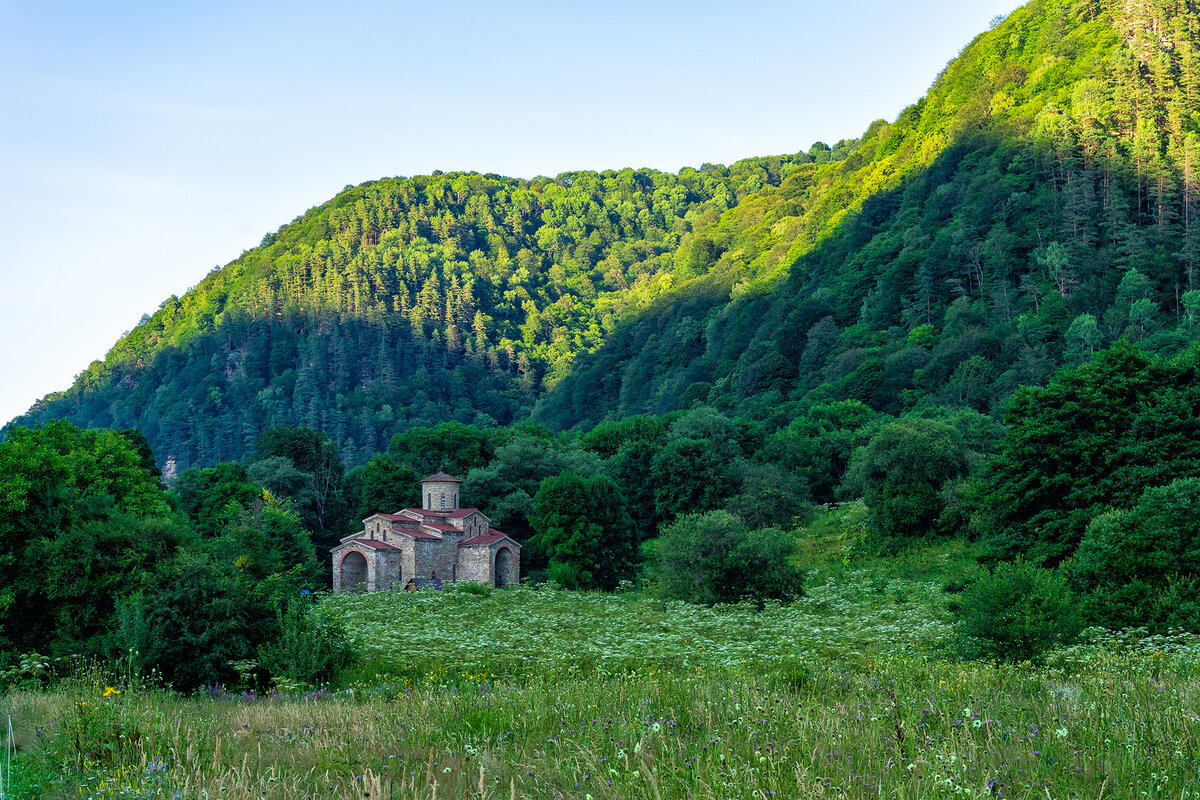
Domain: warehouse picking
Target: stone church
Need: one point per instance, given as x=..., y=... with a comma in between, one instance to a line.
x=438, y=542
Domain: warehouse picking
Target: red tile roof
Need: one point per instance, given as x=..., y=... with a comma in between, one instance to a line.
x=457, y=513
x=441, y=477
x=418, y=534
x=441, y=526
x=484, y=538
x=374, y=544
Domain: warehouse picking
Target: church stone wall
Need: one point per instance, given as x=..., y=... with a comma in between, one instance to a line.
x=408, y=563
x=444, y=557
x=474, y=564
x=432, y=493
x=387, y=570
x=436, y=558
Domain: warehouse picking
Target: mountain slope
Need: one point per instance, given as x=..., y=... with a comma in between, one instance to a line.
x=1038, y=203
x=405, y=302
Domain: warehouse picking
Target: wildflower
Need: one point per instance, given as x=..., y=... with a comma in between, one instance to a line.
x=110, y=691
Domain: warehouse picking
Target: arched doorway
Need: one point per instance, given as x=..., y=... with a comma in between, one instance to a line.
x=353, y=571
x=502, y=574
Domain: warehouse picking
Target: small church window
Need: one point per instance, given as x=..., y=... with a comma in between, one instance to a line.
x=443, y=502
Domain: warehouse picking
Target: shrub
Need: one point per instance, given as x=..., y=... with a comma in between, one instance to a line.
x=1018, y=612
x=582, y=525
x=310, y=647
x=712, y=558
x=471, y=587
x=1140, y=566
x=900, y=473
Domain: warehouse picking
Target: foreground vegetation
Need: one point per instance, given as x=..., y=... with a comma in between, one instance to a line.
x=853, y=691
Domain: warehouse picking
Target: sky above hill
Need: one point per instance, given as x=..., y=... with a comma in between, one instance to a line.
x=145, y=144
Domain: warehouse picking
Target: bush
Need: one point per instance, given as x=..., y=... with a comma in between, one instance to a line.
x=471, y=587
x=900, y=474
x=1141, y=567
x=582, y=525
x=1018, y=612
x=193, y=618
x=712, y=558
x=310, y=647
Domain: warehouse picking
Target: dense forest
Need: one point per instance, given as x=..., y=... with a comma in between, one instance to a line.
x=980, y=320
x=1037, y=205
x=406, y=302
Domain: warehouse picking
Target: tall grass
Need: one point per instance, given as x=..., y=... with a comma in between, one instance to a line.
x=6, y=759
x=1120, y=724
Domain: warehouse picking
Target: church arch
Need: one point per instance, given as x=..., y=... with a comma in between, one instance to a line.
x=353, y=570
x=502, y=572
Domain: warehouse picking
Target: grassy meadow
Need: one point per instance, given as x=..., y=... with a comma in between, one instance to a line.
x=852, y=692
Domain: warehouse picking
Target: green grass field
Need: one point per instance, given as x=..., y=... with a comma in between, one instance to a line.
x=852, y=692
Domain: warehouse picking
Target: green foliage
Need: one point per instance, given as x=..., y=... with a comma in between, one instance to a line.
x=381, y=485
x=769, y=497
x=900, y=473
x=266, y=540
x=713, y=558
x=310, y=648
x=688, y=476
x=451, y=447
x=94, y=563
x=81, y=521
x=312, y=480
x=609, y=438
x=1018, y=612
x=507, y=485
x=818, y=445
x=631, y=468
x=1097, y=437
x=29, y=671
x=193, y=618
x=583, y=528
x=1141, y=566
x=208, y=495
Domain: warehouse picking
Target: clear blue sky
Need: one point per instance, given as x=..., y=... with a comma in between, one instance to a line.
x=145, y=143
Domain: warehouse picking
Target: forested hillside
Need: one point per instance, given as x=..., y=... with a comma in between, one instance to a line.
x=1037, y=205
x=405, y=302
